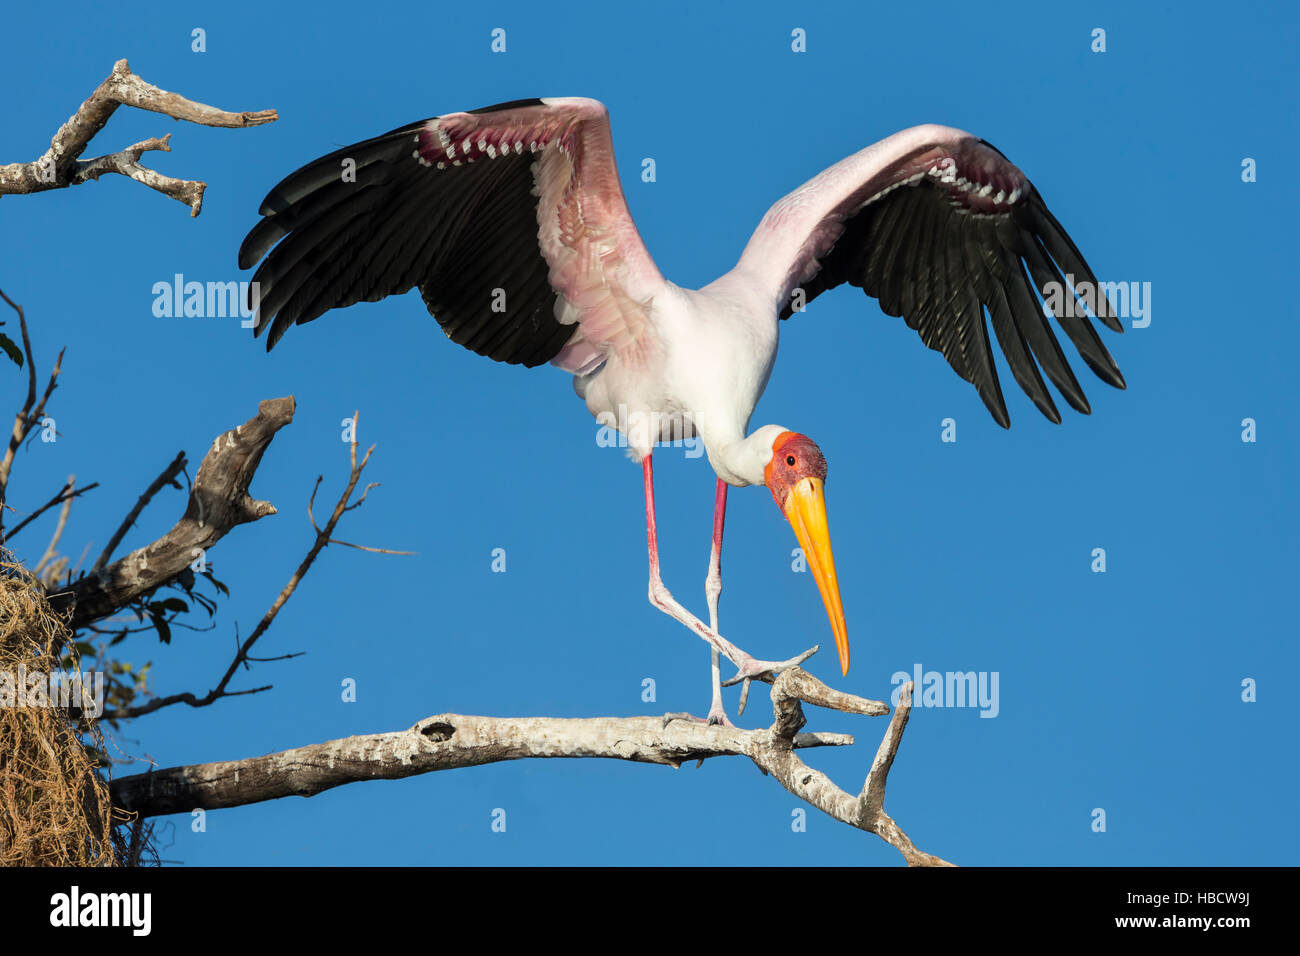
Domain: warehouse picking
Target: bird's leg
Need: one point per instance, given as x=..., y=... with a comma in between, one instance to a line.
x=712, y=592
x=662, y=598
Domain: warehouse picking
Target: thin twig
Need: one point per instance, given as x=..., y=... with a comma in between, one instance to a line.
x=28, y=416
x=168, y=477
x=50, y=550
x=362, y=547
x=65, y=492
x=27, y=351
x=20, y=420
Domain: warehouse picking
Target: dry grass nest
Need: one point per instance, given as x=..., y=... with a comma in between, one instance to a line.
x=54, y=801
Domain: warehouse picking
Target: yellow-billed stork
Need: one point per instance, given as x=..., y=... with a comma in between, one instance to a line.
x=512, y=222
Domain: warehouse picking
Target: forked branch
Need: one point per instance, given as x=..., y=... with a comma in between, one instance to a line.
x=866, y=811
x=61, y=165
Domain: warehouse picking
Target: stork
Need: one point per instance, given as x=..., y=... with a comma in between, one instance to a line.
x=512, y=223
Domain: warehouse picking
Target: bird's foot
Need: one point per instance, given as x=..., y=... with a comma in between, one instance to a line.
x=747, y=669
x=750, y=669
x=717, y=717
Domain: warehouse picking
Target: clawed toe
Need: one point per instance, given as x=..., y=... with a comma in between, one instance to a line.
x=767, y=670
x=719, y=718
x=681, y=715
x=716, y=718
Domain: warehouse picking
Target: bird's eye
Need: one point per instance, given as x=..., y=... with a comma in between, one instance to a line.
x=789, y=460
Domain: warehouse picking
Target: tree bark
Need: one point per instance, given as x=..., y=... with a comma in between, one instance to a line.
x=451, y=741
x=61, y=165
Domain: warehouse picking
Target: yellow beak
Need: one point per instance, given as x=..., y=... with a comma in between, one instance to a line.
x=805, y=507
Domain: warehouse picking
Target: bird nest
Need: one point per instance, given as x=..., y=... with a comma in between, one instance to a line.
x=54, y=802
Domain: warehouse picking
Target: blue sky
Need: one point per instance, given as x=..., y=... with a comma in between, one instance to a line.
x=1119, y=690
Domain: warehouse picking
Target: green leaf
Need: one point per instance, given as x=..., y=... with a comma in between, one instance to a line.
x=11, y=350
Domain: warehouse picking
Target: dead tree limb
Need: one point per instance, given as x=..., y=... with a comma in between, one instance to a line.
x=865, y=811
x=61, y=165
x=219, y=501
x=441, y=742
x=451, y=741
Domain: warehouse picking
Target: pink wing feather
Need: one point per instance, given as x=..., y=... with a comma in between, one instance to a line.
x=523, y=198
x=940, y=227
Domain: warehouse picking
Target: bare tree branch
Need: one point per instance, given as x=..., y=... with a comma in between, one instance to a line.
x=356, y=504
x=451, y=741
x=366, y=547
x=866, y=811
x=32, y=412
x=67, y=491
x=323, y=539
x=219, y=501
x=168, y=477
x=126, y=162
x=61, y=166
x=52, y=549
x=442, y=742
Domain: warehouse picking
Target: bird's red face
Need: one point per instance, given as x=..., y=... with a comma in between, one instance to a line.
x=796, y=476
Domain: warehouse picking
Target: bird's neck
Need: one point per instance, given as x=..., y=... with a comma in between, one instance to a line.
x=741, y=461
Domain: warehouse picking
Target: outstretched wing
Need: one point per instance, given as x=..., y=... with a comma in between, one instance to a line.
x=941, y=227
x=510, y=219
